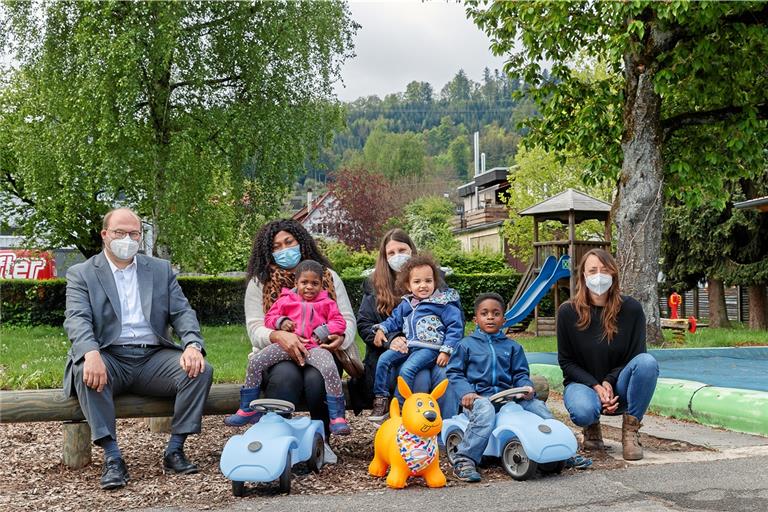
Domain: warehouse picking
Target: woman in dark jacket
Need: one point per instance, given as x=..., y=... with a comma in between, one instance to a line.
x=380, y=296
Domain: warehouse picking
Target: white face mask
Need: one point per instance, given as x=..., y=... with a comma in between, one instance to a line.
x=397, y=261
x=598, y=283
x=124, y=248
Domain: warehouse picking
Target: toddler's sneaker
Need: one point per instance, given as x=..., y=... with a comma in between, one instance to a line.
x=339, y=427
x=464, y=470
x=379, y=412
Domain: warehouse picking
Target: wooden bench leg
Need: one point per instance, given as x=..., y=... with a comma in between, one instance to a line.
x=76, y=452
x=160, y=425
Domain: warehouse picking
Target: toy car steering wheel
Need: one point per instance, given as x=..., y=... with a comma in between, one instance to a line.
x=272, y=405
x=508, y=395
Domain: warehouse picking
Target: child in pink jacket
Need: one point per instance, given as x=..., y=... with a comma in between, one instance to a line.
x=308, y=311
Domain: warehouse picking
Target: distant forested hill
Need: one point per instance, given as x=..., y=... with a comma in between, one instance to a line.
x=422, y=132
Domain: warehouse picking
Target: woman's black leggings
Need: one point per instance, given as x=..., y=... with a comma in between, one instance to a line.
x=301, y=385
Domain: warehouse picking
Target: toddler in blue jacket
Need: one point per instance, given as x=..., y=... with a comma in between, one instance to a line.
x=485, y=363
x=430, y=317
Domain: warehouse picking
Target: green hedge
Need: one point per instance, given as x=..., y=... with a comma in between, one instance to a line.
x=217, y=300
x=32, y=302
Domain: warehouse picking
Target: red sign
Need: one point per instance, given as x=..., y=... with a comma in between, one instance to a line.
x=26, y=264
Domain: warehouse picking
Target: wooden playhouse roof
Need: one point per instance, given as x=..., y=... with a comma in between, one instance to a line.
x=559, y=207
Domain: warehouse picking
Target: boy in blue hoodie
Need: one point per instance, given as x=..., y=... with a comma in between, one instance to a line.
x=484, y=363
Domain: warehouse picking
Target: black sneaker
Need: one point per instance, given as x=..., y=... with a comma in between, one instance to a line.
x=379, y=412
x=114, y=475
x=464, y=470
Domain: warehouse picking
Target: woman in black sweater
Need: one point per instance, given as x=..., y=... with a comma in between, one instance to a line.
x=601, y=350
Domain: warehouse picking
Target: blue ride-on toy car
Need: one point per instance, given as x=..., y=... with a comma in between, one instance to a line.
x=523, y=441
x=267, y=450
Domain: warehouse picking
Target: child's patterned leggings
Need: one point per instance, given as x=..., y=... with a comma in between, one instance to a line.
x=320, y=358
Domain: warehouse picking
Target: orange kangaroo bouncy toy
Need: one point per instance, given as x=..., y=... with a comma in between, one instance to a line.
x=407, y=445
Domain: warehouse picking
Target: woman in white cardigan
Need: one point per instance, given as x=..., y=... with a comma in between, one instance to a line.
x=277, y=248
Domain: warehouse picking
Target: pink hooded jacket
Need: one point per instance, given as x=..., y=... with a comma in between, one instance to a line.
x=307, y=316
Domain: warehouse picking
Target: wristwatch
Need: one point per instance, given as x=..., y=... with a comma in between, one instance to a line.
x=195, y=345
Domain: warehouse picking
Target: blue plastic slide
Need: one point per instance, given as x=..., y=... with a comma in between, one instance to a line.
x=551, y=272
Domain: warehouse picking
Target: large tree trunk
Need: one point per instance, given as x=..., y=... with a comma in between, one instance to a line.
x=718, y=315
x=638, y=206
x=758, y=307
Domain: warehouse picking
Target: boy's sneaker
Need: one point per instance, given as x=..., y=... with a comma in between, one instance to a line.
x=379, y=412
x=464, y=470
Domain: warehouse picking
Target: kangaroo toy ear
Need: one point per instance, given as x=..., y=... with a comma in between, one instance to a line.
x=403, y=388
x=439, y=389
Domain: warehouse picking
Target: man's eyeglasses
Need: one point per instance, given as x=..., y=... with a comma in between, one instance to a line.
x=119, y=233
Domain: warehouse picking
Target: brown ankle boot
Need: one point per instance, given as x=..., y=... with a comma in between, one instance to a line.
x=630, y=438
x=593, y=438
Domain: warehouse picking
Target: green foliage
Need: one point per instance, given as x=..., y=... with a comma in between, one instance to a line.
x=32, y=302
x=427, y=222
x=152, y=105
x=444, y=122
x=539, y=175
x=395, y=155
x=475, y=262
x=710, y=241
x=347, y=263
x=683, y=45
x=460, y=157
x=216, y=300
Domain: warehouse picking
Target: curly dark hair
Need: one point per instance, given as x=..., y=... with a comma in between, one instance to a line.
x=423, y=259
x=309, y=266
x=261, y=261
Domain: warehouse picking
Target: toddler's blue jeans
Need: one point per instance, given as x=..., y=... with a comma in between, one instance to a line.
x=635, y=387
x=413, y=362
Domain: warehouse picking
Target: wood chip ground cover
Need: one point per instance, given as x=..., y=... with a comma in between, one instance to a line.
x=33, y=478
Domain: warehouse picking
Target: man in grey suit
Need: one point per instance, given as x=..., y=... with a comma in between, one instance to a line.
x=120, y=309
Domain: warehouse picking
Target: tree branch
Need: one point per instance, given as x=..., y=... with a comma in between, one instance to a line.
x=674, y=123
x=17, y=190
x=213, y=81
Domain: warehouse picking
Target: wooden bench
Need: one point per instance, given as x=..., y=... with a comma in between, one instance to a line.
x=52, y=405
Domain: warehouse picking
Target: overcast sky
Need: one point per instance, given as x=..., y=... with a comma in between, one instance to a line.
x=406, y=40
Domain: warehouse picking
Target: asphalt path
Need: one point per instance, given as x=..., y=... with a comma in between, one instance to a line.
x=720, y=485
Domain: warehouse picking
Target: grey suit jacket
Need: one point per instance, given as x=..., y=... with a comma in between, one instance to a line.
x=93, y=315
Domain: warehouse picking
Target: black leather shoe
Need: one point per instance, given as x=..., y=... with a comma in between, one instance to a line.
x=114, y=475
x=177, y=462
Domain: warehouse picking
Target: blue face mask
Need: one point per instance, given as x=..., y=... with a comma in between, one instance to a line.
x=288, y=258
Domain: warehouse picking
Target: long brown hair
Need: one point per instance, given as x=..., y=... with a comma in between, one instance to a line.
x=384, y=278
x=582, y=301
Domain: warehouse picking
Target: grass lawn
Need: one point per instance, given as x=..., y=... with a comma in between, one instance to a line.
x=33, y=357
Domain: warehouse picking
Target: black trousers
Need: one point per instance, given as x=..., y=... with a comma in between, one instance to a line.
x=301, y=385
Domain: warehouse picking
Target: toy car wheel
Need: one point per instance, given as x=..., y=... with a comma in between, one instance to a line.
x=552, y=468
x=285, y=477
x=516, y=462
x=238, y=488
x=317, y=457
x=452, y=444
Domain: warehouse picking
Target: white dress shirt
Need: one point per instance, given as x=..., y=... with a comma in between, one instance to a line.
x=135, y=327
